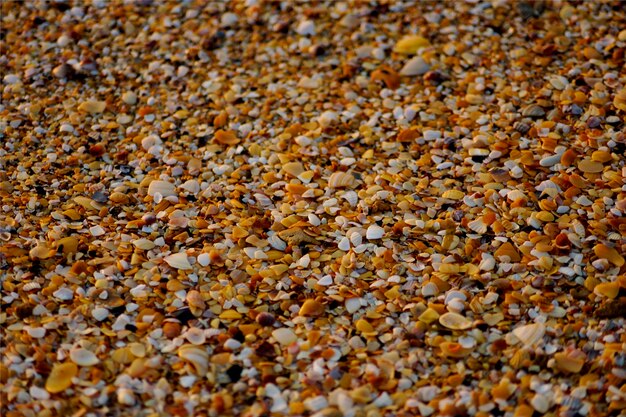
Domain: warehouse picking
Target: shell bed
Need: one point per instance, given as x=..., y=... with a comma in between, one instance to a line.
x=324, y=209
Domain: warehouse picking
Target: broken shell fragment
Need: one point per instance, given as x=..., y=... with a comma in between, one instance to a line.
x=530, y=334
x=410, y=44
x=83, y=357
x=60, y=377
x=178, y=261
x=454, y=321
x=341, y=180
x=196, y=356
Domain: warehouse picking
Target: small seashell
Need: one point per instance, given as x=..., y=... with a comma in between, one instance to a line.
x=344, y=244
x=530, y=333
x=125, y=396
x=166, y=189
x=341, y=180
x=374, y=232
x=454, y=321
x=620, y=100
x=196, y=356
x=129, y=97
x=277, y=243
x=191, y=186
x=60, y=377
x=453, y=194
x=100, y=313
x=607, y=289
x=31, y=286
x=353, y=304
x=454, y=350
x=204, y=259
x=178, y=261
x=284, y=336
x=415, y=66
x=171, y=328
x=611, y=254
x=478, y=226
x=327, y=118
x=41, y=251
x=351, y=197
x=410, y=44
x=293, y=168
x=226, y=137
x=92, y=106
x=83, y=357
x=589, y=166
x=311, y=308
x=195, y=336
x=572, y=361
x=143, y=244
x=508, y=252
x=533, y=110
x=195, y=300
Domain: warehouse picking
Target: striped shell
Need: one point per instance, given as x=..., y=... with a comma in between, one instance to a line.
x=341, y=180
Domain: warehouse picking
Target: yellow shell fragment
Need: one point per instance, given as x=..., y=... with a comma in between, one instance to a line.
x=410, y=44
x=530, y=333
x=454, y=321
x=611, y=254
x=92, y=106
x=196, y=356
x=311, y=308
x=60, y=377
x=570, y=361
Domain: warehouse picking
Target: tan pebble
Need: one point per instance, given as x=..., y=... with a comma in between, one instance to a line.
x=92, y=106
x=454, y=321
x=311, y=308
x=60, y=377
x=196, y=356
x=589, y=166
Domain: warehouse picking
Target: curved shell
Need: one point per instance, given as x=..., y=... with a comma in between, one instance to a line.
x=341, y=180
x=196, y=356
x=83, y=357
x=530, y=333
x=454, y=321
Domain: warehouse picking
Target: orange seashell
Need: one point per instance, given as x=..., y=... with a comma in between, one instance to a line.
x=407, y=135
x=453, y=350
x=226, y=137
x=611, y=254
x=561, y=241
x=568, y=157
x=388, y=76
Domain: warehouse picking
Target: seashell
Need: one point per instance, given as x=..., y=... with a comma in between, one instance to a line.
x=572, y=361
x=341, y=180
x=178, y=261
x=83, y=357
x=284, y=336
x=195, y=336
x=344, y=244
x=388, y=76
x=408, y=135
x=453, y=194
x=293, y=168
x=265, y=319
x=478, y=226
x=620, y=100
x=415, y=66
x=60, y=377
x=100, y=313
x=311, y=308
x=559, y=82
x=171, y=328
x=31, y=286
x=588, y=166
x=196, y=356
x=226, y=137
x=191, y=186
x=351, y=197
x=125, y=396
x=607, y=289
x=67, y=245
x=410, y=44
x=204, y=259
x=276, y=243
x=428, y=316
x=611, y=254
x=533, y=110
x=143, y=244
x=166, y=189
x=195, y=300
x=453, y=350
x=41, y=251
x=374, y=232
x=530, y=333
x=454, y=321
x=92, y=106
x=519, y=358
x=327, y=118
x=507, y=250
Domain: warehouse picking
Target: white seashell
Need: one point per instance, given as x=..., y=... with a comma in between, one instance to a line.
x=196, y=356
x=353, y=304
x=178, y=261
x=203, y=259
x=344, y=244
x=284, y=336
x=100, y=313
x=125, y=396
x=351, y=197
x=374, y=232
x=191, y=186
x=430, y=289
x=341, y=180
x=144, y=244
x=83, y=357
x=36, y=332
x=454, y=321
x=478, y=226
x=195, y=336
x=327, y=118
x=306, y=27
x=31, y=286
x=415, y=66
x=530, y=333
x=277, y=243
x=356, y=238
x=166, y=189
